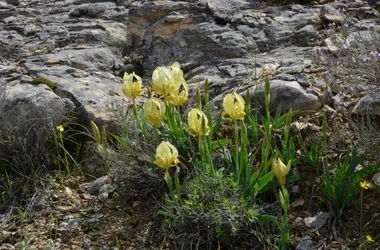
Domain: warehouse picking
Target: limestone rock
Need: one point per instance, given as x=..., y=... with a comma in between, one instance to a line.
x=368, y=104
x=331, y=15
x=317, y=221
x=288, y=94
x=228, y=45
x=90, y=10
x=96, y=185
x=376, y=179
x=306, y=243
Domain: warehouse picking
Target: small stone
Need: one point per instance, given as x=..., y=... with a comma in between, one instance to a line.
x=10, y=19
x=376, y=179
x=297, y=222
x=48, y=248
x=317, y=221
x=67, y=209
x=74, y=224
x=68, y=191
x=95, y=186
x=291, y=69
x=295, y=189
x=320, y=84
x=331, y=46
x=6, y=246
x=86, y=244
x=14, y=2
x=305, y=243
x=284, y=77
x=105, y=190
x=302, y=80
x=368, y=104
x=330, y=15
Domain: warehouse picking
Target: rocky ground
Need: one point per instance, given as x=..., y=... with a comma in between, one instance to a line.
x=83, y=46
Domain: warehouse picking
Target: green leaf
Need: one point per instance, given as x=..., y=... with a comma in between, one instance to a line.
x=262, y=182
x=96, y=132
x=206, y=91
x=274, y=184
x=124, y=142
x=219, y=143
x=267, y=218
x=215, y=126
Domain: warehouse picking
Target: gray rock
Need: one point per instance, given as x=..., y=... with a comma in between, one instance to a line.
x=6, y=246
x=86, y=244
x=368, y=104
x=229, y=41
x=321, y=84
x=331, y=15
x=292, y=69
x=74, y=223
x=284, y=77
x=90, y=10
x=27, y=102
x=337, y=103
x=105, y=190
x=94, y=187
x=288, y=94
x=302, y=80
x=308, y=31
x=306, y=243
x=360, y=37
x=225, y=9
x=317, y=221
x=93, y=162
x=48, y=248
x=14, y=2
x=9, y=20
x=376, y=179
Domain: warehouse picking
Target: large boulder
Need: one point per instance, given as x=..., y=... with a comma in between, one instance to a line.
x=232, y=43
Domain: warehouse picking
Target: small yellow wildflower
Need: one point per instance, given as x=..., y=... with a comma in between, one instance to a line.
x=60, y=128
x=364, y=184
x=280, y=171
x=166, y=155
x=233, y=105
x=195, y=118
x=369, y=238
x=154, y=111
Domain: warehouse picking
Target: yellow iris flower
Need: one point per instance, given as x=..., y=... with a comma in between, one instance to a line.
x=132, y=88
x=154, y=111
x=167, y=82
x=163, y=81
x=195, y=118
x=178, y=97
x=60, y=128
x=176, y=70
x=166, y=155
x=280, y=170
x=233, y=105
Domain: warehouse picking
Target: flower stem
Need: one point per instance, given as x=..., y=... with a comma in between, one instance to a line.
x=361, y=215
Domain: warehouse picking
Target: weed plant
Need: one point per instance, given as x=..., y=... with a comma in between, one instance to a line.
x=353, y=59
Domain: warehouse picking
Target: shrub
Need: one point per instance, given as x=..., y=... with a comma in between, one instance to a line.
x=212, y=208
